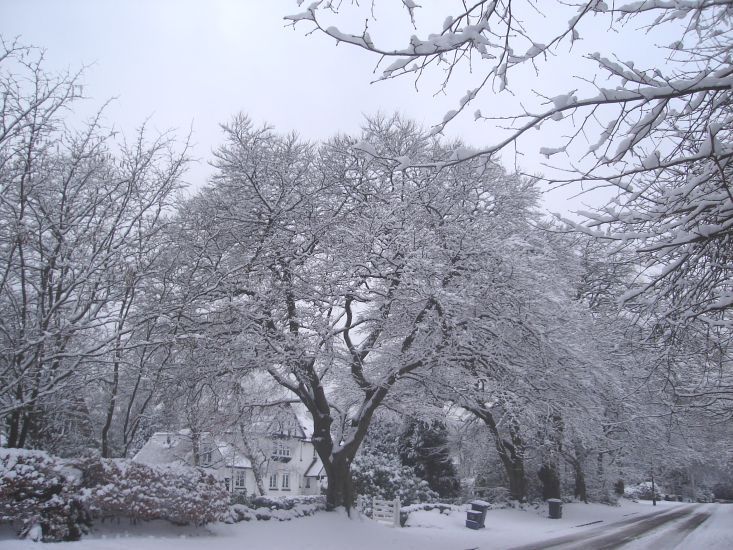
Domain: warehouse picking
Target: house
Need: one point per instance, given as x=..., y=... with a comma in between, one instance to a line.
x=272, y=449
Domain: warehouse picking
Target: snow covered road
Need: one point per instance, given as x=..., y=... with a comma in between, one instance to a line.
x=666, y=528
x=631, y=526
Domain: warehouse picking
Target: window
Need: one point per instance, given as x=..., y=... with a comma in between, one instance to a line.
x=205, y=453
x=273, y=481
x=286, y=481
x=240, y=480
x=280, y=450
x=307, y=483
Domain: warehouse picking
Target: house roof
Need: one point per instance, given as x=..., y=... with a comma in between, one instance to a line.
x=315, y=469
x=165, y=448
x=177, y=448
x=304, y=418
x=232, y=456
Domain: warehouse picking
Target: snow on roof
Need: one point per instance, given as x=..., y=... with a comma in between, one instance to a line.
x=165, y=448
x=315, y=469
x=304, y=419
x=232, y=456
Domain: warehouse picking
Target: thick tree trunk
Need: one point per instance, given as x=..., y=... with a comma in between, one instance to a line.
x=550, y=481
x=517, y=480
x=510, y=453
x=340, y=490
x=514, y=469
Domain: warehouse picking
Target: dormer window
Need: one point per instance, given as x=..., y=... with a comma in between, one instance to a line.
x=280, y=451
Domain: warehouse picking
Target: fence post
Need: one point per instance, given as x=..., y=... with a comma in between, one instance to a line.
x=397, y=508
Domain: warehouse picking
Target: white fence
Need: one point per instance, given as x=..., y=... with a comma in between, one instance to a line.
x=386, y=511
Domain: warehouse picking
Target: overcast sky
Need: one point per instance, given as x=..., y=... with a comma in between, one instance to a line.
x=193, y=64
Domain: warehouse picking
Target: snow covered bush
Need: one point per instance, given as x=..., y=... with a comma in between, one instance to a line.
x=279, y=509
x=642, y=491
x=38, y=497
x=383, y=476
x=49, y=499
x=440, y=507
x=181, y=495
x=284, y=503
x=499, y=497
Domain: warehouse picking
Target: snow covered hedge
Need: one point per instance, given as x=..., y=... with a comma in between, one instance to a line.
x=279, y=509
x=181, y=495
x=50, y=499
x=38, y=497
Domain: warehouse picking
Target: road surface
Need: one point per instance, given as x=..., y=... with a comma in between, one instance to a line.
x=666, y=529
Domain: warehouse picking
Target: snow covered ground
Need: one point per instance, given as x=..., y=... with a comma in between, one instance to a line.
x=426, y=531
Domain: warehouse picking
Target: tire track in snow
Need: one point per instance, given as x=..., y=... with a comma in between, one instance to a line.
x=621, y=533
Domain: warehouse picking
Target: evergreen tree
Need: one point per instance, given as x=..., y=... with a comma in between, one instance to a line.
x=424, y=448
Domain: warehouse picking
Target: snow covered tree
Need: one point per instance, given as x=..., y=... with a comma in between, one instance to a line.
x=350, y=269
x=424, y=447
x=77, y=211
x=656, y=131
x=381, y=475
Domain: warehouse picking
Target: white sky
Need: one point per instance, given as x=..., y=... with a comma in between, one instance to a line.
x=193, y=64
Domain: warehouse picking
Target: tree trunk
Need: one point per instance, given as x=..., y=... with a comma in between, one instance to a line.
x=510, y=453
x=514, y=469
x=110, y=409
x=517, y=481
x=550, y=481
x=256, y=465
x=195, y=447
x=580, y=488
x=14, y=429
x=340, y=490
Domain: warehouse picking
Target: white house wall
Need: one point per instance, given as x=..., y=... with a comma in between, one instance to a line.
x=302, y=457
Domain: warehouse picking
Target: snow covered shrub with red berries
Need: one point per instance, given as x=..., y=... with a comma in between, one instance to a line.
x=38, y=497
x=49, y=499
x=181, y=495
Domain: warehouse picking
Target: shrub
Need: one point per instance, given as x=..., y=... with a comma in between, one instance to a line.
x=279, y=509
x=51, y=500
x=38, y=497
x=383, y=476
x=181, y=495
x=723, y=491
x=499, y=496
x=642, y=491
x=619, y=487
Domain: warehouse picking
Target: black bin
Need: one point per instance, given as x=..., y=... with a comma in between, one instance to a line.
x=476, y=516
x=555, y=508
